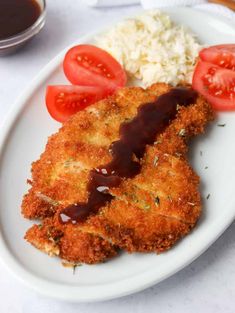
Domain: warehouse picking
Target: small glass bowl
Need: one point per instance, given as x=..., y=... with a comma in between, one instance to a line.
x=12, y=43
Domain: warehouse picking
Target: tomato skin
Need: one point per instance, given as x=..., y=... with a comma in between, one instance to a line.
x=62, y=101
x=221, y=55
x=87, y=65
x=224, y=102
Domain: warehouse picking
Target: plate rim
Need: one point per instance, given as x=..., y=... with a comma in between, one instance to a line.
x=107, y=291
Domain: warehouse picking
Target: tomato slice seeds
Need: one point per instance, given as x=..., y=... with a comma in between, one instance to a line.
x=87, y=65
x=221, y=55
x=94, y=73
x=62, y=101
x=214, y=76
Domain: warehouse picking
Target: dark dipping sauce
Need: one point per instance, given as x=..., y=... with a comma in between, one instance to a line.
x=151, y=120
x=17, y=15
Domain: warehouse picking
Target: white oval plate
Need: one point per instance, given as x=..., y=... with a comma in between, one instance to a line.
x=23, y=138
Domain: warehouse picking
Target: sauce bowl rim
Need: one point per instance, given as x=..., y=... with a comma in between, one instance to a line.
x=28, y=32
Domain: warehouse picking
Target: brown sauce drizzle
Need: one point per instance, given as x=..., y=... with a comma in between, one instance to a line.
x=151, y=119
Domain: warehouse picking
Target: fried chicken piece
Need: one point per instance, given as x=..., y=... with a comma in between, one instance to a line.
x=148, y=213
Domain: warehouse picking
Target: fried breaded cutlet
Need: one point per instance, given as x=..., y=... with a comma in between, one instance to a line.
x=148, y=213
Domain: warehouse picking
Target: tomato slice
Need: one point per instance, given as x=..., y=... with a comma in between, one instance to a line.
x=222, y=55
x=87, y=65
x=216, y=84
x=64, y=101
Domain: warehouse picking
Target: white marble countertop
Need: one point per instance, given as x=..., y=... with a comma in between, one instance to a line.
x=207, y=285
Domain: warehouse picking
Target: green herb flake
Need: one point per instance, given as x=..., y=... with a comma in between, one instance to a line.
x=68, y=162
x=208, y=196
x=57, y=239
x=147, y=207
x=54, y=202
x=155, y=161
x=182, y=132
x=75, y=267
x=169, y=198
x=177, y=107
x=221, y=125
x=157, y=200
x=206, y=167
x=157, y=142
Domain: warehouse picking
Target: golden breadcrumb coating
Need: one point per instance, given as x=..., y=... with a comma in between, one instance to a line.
x=148, y=213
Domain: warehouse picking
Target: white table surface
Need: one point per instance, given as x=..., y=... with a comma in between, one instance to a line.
x=207, y=285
